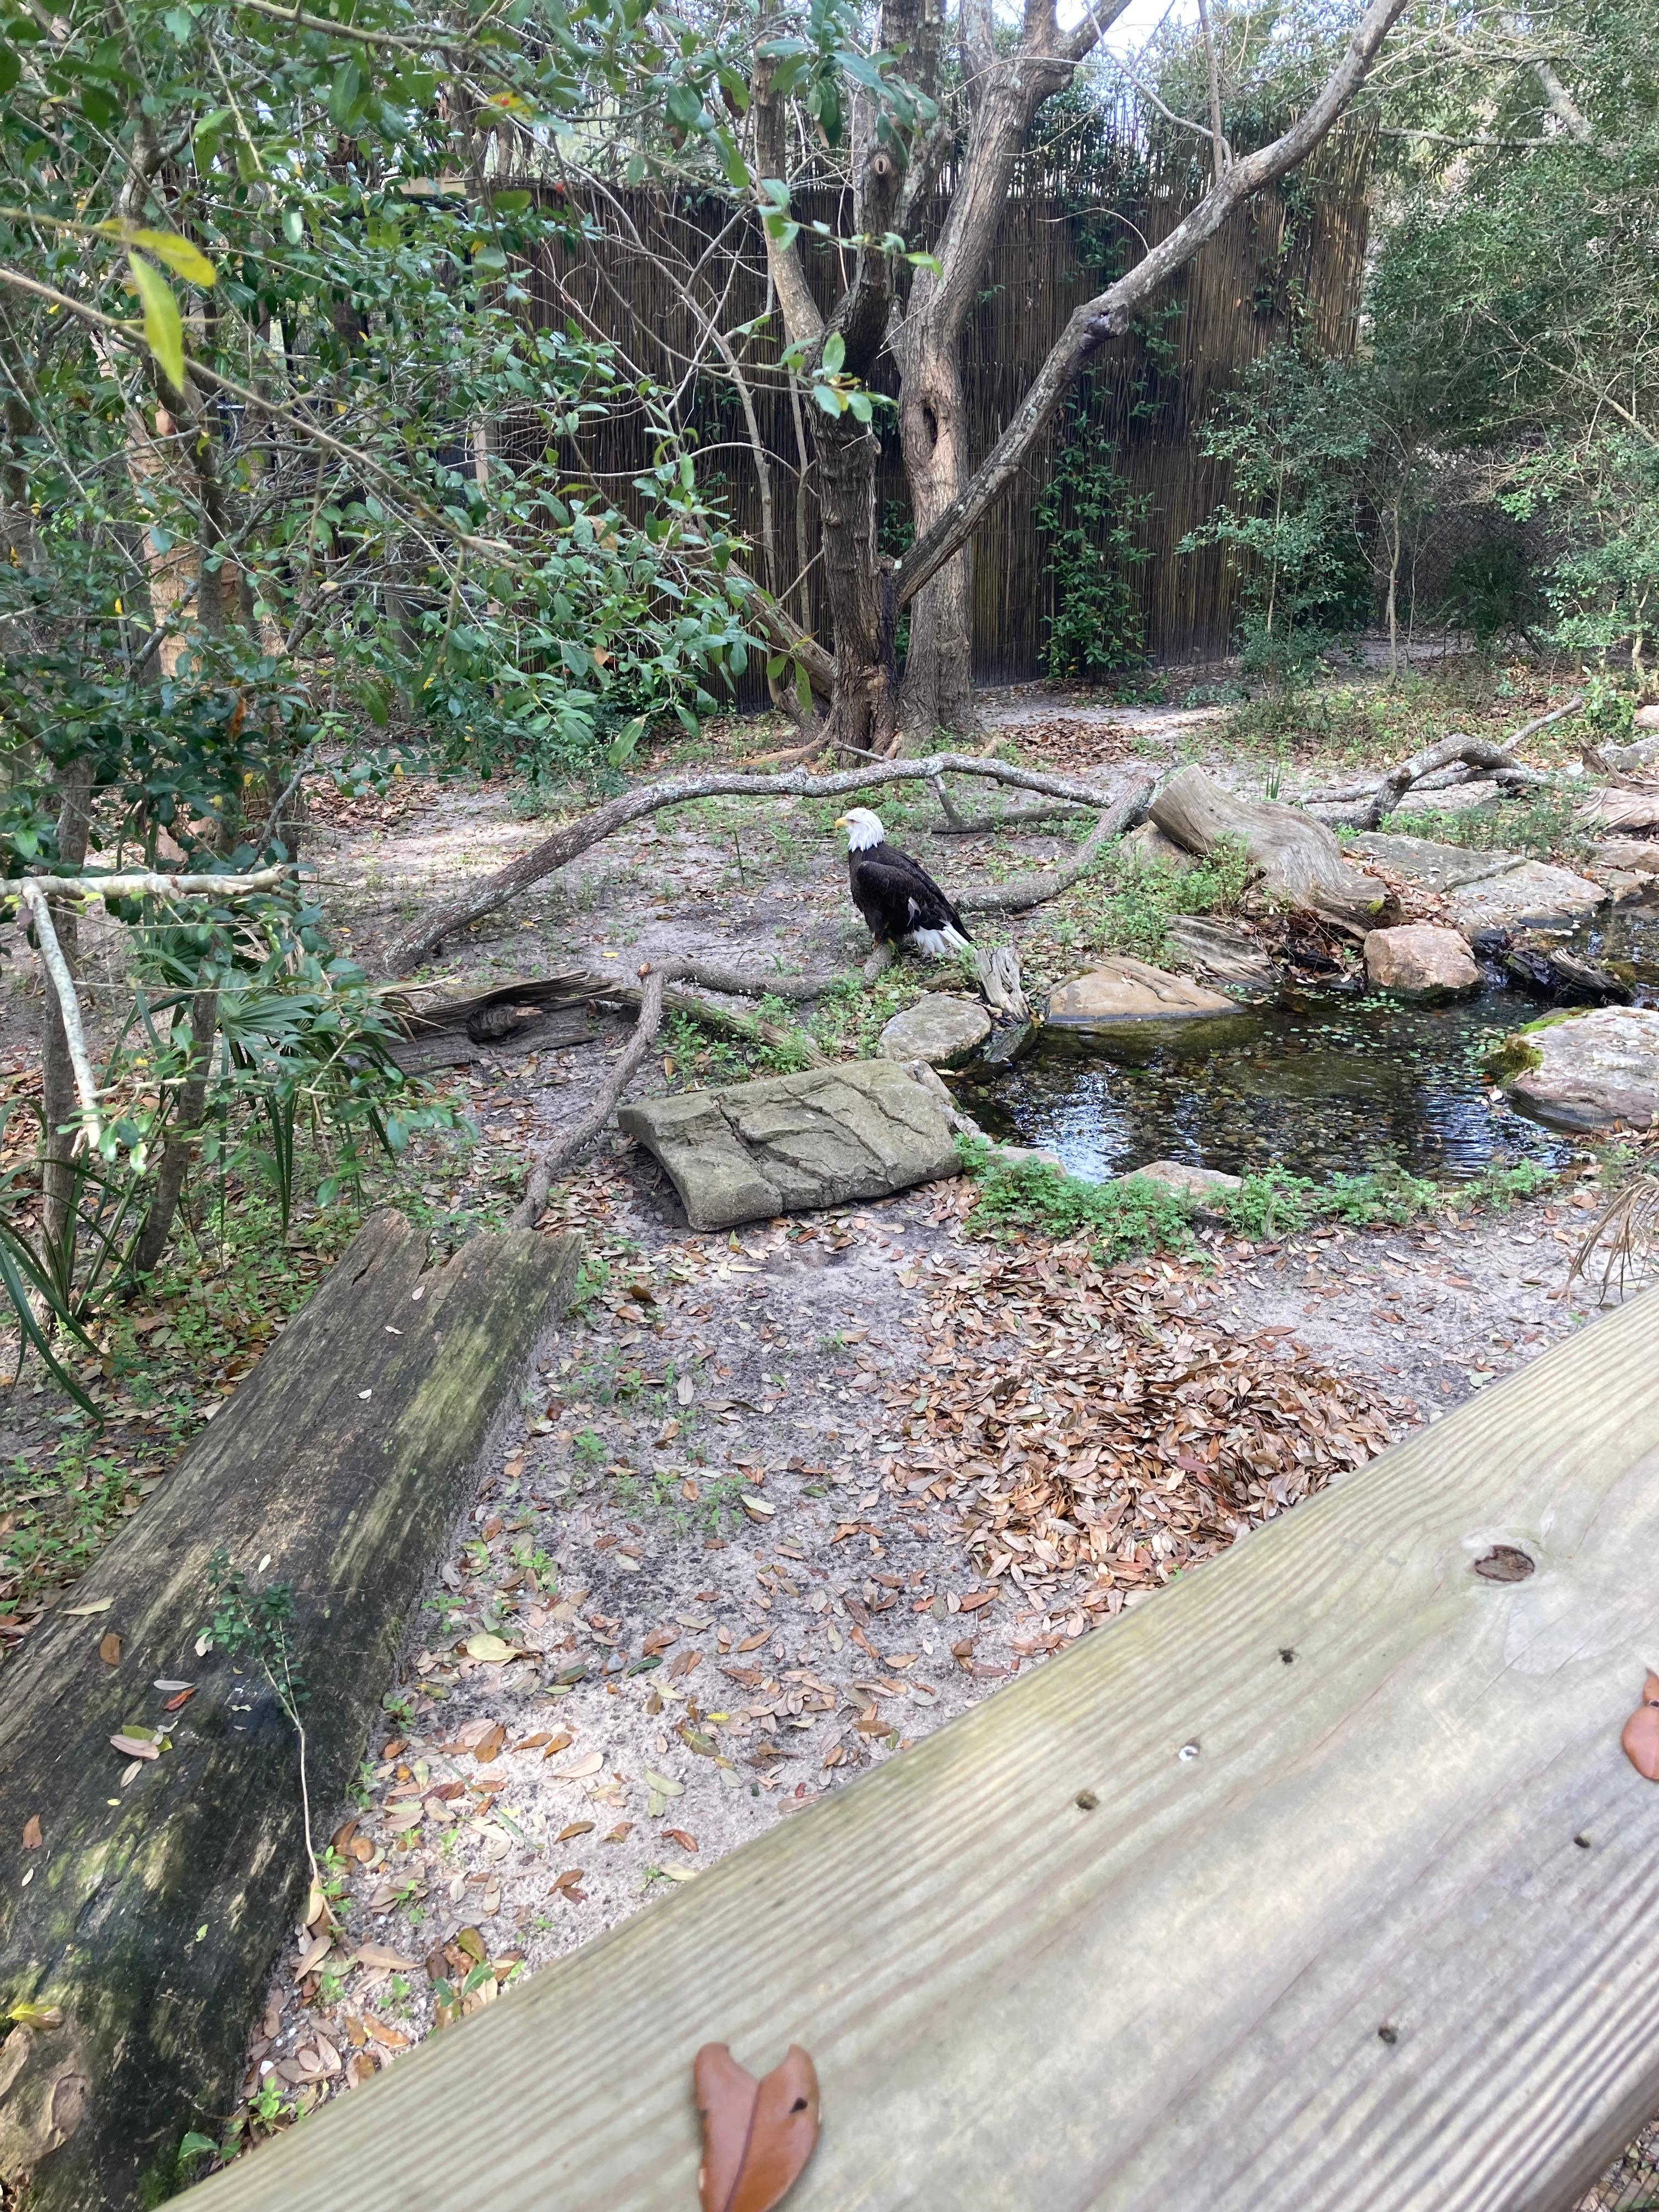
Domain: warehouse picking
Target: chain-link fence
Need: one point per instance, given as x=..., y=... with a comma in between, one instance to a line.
x=1631, y=2186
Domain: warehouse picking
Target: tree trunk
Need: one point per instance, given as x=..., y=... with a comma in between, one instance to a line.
x=863, y=714
x=937, y=690
x=58, y=1103
x=154, y=1909
x=181, y=1138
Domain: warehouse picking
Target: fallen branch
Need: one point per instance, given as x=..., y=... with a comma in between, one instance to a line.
x=1025, y=892
x=555, y=1158
x=33, y=893
x=592, y=829
x=1363, y=805
x=146, y=882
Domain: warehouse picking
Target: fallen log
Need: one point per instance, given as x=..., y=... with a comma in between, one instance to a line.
x=1363, y=805
x=1021, y=892
x=1299, y=858
x=147, y=1887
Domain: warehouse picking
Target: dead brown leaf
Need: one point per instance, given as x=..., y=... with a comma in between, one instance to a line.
x=757, y=2136
x=109, y=1648
x=32, y=1838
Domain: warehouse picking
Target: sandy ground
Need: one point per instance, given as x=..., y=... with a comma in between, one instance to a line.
x=730, y=1564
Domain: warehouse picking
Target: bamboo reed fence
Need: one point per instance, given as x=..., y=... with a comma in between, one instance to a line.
x=657, y=274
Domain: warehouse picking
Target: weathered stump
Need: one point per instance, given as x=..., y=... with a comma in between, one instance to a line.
x=1300, y=858
x=149, y=1915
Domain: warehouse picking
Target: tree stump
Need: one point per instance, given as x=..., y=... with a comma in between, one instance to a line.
x=1300, y=858
x=148, y=1912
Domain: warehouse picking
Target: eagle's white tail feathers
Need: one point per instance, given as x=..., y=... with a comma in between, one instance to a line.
x=938, y=944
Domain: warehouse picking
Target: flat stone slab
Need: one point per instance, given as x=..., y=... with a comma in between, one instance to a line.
x=1421, y=860
x=1592, y=1069
x=1453, y=799
x=1530, y=897
x=1121, y=989
x=943, y=1030
x=1420, y=961
x=789, y=1143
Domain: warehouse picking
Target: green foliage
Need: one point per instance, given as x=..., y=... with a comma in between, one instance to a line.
x=1134, y=1215
x=255, y=1626
x=1127, y=905
x=1540, y=822
x=1295, y=434
x=1088, y=514
x=1488, y=591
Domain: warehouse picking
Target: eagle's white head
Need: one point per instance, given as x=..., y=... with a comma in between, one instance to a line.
x=863, y=829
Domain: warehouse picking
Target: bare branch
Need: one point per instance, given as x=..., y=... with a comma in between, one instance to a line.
x=148, y=882
x=34, y=896
x=592, y=829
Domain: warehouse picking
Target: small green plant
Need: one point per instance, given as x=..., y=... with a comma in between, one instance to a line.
x=257, y=1625
x=1088, y=514
x=1131, y=1216
x=590, y=1448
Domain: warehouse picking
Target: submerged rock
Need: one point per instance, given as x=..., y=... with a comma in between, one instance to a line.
x=1588, y=1071
x=1125, y=990
x=791, y=1142
x=945, y=1031
x=1420, y=961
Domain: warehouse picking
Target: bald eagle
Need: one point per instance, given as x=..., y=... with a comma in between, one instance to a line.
x=895, y=894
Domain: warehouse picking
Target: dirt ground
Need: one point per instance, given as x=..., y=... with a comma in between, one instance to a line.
x=769, y=1519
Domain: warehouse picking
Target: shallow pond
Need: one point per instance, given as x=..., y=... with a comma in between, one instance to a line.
x=1329, y=1084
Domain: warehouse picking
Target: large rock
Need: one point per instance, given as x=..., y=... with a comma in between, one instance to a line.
x=1427, y=864
x=1124, y=990
x=1589, y=1069
x=939, y=1029
x=1630, y=855
x=1450, y=799
x=791, y=1142
x=1298, y=859
x=1530, y=896
x=1420, y=961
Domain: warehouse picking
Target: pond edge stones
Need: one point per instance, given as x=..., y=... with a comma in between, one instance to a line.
x=788, y=1144
x=944, y=1030
x=1587, y=1071
x=1421, y=961
x=1121, y=989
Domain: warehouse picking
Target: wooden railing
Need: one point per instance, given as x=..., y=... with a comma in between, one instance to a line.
x=1320, y=1881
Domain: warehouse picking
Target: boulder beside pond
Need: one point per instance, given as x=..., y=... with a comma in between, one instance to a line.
x=1588, y=1071
x=1533, y=895
x=1420, y=961
x=943, y=1030
x=1201, y=1186
x=1121, y=989
x=789, y=1143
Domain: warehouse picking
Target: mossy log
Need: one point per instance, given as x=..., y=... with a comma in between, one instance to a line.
x=1299, y=858
x=148, y=1912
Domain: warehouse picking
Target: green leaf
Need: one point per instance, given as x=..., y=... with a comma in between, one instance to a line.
x=178, y=254
x=209, y=131
x=10, y=68
x=834, y=353
x=196, y=2146
x=735, y=168
x=861, y=406
x=348, y=96
x=684, y=107
x=180, y=25
x=831, y=401
x=510, y=202
x=164, y=333
x=294, y=225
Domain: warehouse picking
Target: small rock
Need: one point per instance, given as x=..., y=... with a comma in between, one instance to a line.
x=1148, y=842
x=1420, y=961
x=946, y=1032
x=1647, y=717
x=1589, y=1070
x=1200, y=1185
x=1125, y=990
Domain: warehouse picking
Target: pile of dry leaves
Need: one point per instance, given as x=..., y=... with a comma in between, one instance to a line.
x=1095, y=1436
x=1074, y=747
x=331, y=808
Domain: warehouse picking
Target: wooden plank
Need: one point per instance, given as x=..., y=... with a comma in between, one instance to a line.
x=1420, y=1822
x=151, y=1913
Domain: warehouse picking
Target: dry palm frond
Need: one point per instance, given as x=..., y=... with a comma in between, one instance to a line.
x=1624, y=1235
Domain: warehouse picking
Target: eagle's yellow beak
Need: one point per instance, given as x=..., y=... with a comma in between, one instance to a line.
x=840, y=821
